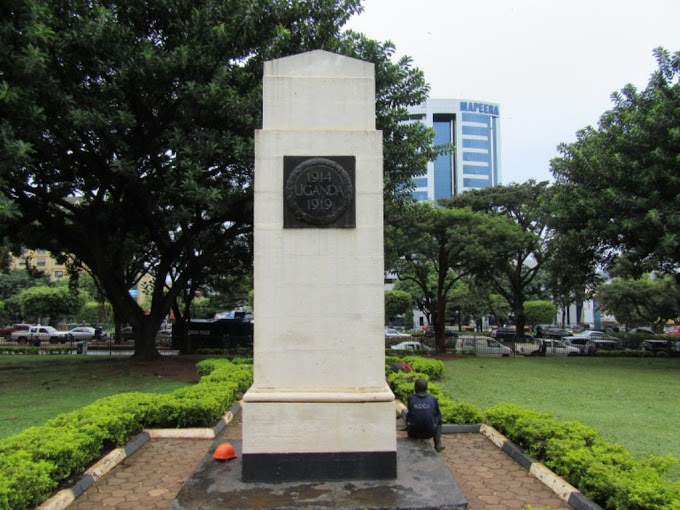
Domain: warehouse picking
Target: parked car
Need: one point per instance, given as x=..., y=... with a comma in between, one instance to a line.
x=644, y=331
x=483, y=347
x=601, y=344
x=429, y=331
x=38, y=333
x=80, y=333
x=552, y=332
x=576, y=341
x=508, y=334
x=592, y=333
x=393, y=333
x=411, y=345
x=546, y=347
x=655, y=345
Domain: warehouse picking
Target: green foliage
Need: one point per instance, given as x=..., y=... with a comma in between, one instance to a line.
x=540, y=312
x=617, y=184
x=12, y=283
x=523, y=246
x=146, y=113
x=460, y=413
x=434, y=368
x=429, y=369
x=43, y=457
x=12, y=349
x=604, y=472
x=397, y=302
x=644, y=300
x=24, y=481
x=94, y=312
x=53, y=302
x=436, y=248
x=67, y=449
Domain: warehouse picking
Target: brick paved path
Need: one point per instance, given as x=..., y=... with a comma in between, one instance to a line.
x=152, y=476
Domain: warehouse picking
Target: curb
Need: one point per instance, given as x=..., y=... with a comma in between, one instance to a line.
x=65, y=497
x=559, y=486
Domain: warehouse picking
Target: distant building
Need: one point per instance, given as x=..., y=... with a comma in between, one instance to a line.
x=473, y=127
x=41, y=260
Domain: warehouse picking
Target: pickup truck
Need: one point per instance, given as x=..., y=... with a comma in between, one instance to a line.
x=7, y=331
x=545, y=347
x=37, y=334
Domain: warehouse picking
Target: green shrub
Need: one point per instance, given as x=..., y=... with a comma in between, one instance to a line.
x=426, y=368
x=606, y=473
x=35, y=461
x=12, y=349
x=69, y=451
x=432, y=367
x=24, y=481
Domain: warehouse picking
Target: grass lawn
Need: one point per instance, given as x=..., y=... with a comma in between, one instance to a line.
x=34, y=389
x=630, y=401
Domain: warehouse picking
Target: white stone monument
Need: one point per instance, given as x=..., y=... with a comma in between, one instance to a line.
x=319, y=407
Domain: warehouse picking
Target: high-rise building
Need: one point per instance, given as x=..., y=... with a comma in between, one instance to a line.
x=473, y=127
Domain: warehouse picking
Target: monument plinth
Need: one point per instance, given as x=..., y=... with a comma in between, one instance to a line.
x=319, y=407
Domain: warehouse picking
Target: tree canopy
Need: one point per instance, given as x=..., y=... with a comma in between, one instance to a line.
x=619, y=184
x=439, y=247
x=640, y=302
x=126, y=133
x=528, y=241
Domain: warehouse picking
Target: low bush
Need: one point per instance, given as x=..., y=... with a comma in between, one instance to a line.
x=606, y=473
x=431, y=369
x=13, y=349
x=39, y=459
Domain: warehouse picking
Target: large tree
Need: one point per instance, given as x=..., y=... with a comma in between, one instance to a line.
x=527, y=207
x=441, y=246
x=126, y=132
x=619, y=183
x=640, y=302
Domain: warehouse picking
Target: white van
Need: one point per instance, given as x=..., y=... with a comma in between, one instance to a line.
x=483, y=346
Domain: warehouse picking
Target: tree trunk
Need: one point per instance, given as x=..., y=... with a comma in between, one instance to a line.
x=520, y=318
x=180, y=330
x=440, y=326
x=145, y=331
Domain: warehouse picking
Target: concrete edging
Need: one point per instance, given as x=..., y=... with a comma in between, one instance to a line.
x=559, y=486
x=65, y=497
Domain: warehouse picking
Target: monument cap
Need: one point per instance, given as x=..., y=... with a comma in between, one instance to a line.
x=225, y=451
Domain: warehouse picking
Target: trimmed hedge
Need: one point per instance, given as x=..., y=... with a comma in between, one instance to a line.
x=430, y=369
x=606, y=473
x=38, y=460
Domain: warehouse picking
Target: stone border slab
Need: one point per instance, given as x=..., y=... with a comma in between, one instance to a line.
x=559, y=486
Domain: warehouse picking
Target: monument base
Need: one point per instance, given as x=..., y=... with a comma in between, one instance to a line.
x=423, y=482
x=318, y=440
x=284, y=467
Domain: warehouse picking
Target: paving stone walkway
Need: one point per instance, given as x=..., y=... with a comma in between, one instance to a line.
x=152, y=476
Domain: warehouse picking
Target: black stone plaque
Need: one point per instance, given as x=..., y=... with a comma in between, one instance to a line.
x=319, y=192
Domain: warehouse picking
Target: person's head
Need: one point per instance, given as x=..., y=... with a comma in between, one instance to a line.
x=420, y=386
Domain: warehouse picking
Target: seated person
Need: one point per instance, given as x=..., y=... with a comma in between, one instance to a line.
x=423, y=418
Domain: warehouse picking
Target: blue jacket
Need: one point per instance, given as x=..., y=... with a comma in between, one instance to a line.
x=423, y=416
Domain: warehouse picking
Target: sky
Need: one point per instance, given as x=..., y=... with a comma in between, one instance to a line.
x=552, y=65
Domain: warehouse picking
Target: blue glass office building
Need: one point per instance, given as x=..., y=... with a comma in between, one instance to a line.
x=473, y=127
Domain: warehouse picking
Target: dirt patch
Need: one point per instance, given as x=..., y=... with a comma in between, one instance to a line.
x=173, y=368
